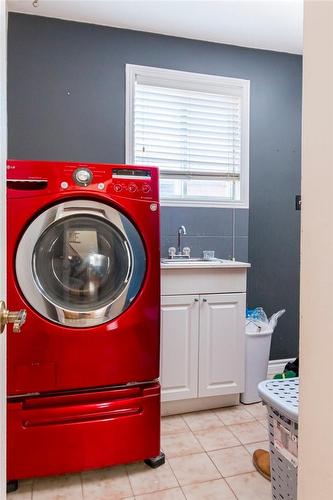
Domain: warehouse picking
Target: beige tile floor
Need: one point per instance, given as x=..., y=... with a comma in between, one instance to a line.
x=208, y=457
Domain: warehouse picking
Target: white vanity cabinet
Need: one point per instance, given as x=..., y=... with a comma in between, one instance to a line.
x=202, y=334
x=179, y=346
x=221, y=344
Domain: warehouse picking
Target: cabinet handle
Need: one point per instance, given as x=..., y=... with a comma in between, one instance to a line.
x=204, y=300
x=196, y=300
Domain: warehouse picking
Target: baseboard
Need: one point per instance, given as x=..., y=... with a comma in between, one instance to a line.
x=198, y=404
x=277, y=366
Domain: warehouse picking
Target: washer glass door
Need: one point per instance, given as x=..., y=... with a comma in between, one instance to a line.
x=80, y=263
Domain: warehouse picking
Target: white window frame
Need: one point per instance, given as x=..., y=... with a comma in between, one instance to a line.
x=203, y=83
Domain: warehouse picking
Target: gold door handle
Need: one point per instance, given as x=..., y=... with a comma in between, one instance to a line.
x=16, y=317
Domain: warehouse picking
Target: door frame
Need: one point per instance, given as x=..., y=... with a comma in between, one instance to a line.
x=3, y=158
x=315, y=478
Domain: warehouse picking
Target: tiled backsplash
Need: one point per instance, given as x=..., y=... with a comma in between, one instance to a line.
x=224, y=230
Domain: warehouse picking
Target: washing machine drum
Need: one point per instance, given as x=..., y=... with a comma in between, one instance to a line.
x=80, y=263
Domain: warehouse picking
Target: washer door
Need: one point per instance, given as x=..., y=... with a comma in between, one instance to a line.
x=80, y=263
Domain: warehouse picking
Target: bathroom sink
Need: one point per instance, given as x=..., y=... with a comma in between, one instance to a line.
x=200, y=263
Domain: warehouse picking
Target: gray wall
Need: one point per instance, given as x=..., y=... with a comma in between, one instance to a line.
x=66, y=101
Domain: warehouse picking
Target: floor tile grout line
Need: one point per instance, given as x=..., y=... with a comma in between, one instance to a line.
x=221, y=424
x=178, y=415
x=81, y=482
x=237, y=439
x=214, y=464
x=249, y=413
x=239, y=443
x=173, y=471
x=244, y=422
x=129, y=479
x=264, y=425
x=239, y=473
x=232, y=490
x=187, y=454
x=196, y=482
x=212, y=426
x=183, y=419
x=156, y=491
x=257, y=442
x=245, y=473
x=32, y=489
x=251, y=442
x=183, y=492
x=196, y=439
x=225, y=448
x=254, y=416
x=219, y=479
x=244, y=444
x=220, y=473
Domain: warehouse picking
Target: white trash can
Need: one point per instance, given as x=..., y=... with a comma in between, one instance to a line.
x=257, y=347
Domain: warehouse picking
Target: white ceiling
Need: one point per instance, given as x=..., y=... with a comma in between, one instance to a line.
x=264, y=24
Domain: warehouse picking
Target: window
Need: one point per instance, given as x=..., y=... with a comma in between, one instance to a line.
x=195, y=128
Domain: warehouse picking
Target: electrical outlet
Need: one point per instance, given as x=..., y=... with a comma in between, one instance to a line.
x=298, y=202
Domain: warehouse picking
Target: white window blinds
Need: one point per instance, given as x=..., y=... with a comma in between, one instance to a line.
x=193, y=135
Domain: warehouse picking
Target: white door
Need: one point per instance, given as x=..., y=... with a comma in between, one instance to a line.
x=221, y=344
x=315, y=478
x=3, y=157
x=179, y=347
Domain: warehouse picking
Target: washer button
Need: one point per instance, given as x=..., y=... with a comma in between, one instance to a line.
x=132, y=188
x=146, y=188
x=64, y=185
x=101, y=185
x=117, y=188
x=83, y=176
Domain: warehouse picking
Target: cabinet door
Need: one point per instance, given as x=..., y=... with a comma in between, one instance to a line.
x=221, y=344
x=179, y=347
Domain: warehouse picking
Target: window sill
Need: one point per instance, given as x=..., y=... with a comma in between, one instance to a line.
x=203, y=203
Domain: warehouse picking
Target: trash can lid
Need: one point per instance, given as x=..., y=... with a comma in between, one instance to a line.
x=257, y=327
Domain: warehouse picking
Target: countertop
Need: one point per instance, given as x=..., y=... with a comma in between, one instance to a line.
x=203, y=264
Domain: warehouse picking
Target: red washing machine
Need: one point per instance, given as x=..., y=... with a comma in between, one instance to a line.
x=84, y=261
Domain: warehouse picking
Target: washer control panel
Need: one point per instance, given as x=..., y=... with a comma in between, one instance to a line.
x=133, y=182
x=139, y=188
x=82, y=176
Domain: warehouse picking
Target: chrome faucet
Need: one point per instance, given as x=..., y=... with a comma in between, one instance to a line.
x=181, y=231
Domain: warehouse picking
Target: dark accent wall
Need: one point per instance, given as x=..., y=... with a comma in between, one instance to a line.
x=66, y=101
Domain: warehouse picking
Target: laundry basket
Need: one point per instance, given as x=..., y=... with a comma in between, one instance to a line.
x=281, y=398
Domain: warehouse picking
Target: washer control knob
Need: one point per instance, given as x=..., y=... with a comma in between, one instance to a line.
x=146, y=188
x=117, y=188
x=64, y=185
x=83, y=176
x=132, y=188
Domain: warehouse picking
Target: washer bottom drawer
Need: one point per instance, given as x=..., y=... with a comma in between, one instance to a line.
x=75, y=432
